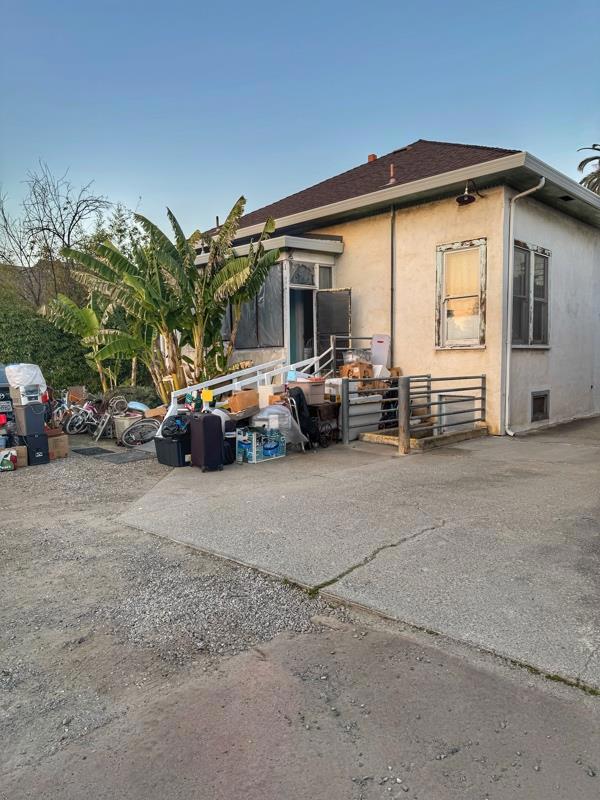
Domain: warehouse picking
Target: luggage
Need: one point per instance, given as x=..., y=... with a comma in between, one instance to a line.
x=207, y=442
x=230, y=444
x=37, y=448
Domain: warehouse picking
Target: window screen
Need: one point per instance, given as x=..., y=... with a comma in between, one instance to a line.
x=261, y=323
x=459, y=294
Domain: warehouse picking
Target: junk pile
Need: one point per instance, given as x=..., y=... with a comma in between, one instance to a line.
x=25, y=438
x=252, y=426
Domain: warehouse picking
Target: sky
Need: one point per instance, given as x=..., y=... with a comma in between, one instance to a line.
x=190, y=104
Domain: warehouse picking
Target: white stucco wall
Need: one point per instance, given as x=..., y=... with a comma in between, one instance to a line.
x=570, y=368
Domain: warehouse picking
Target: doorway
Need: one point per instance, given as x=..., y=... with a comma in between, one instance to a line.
x=302, y=324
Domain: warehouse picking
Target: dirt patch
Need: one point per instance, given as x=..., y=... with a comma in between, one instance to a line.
x=95, y=617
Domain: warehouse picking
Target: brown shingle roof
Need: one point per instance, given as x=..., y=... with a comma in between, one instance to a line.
x=421, y=159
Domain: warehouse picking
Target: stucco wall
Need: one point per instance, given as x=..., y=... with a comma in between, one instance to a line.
x=570, y=368
x=365, y=267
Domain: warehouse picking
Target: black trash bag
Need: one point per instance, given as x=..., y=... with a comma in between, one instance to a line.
x=176, y=426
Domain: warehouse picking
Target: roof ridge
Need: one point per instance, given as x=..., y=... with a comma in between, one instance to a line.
x=470, y=146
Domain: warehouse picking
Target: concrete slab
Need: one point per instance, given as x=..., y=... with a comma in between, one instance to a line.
x=494, y=542
x=337, y=716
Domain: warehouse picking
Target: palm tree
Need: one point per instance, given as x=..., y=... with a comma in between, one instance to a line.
x=592, y=179
x=175, y=307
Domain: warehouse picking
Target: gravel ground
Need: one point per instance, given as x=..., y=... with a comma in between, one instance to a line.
x=94, y=616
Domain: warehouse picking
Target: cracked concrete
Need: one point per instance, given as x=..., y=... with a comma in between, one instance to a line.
x=372, y=556
x=509, y=561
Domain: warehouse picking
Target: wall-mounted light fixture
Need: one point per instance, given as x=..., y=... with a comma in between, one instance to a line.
x=468, y=197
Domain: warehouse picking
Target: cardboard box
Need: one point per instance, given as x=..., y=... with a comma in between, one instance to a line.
x=21, y=455
x=58, y=446
x=395, y=372
x=240, y=401
x=159, y=411
x=314, y=391
x=357, y=370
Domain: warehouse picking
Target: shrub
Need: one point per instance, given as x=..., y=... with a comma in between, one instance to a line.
x=25, y=336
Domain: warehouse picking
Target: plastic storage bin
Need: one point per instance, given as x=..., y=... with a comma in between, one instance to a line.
x=314, y=391
x=173, y=452
x=254, y=446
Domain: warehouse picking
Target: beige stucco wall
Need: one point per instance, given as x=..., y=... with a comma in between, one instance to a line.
x=364, y=266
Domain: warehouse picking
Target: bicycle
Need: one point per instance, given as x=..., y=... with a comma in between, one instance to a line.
x=140, y=432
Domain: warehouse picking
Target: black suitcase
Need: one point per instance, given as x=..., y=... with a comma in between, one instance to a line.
x=230, y=443
x=207, y=441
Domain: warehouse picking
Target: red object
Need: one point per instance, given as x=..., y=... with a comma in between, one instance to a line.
x=45, y=397
x=3, y=419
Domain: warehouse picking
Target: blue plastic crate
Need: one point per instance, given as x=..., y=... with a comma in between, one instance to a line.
x=259, y=444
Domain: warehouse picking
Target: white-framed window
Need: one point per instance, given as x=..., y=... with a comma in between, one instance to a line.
x=460, y=308
x=530, y=295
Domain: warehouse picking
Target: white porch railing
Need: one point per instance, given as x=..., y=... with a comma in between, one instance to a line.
x=259, y=375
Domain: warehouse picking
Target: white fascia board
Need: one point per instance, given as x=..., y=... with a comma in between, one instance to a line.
x=287, y=243
x=571, y=187
x=395, y=192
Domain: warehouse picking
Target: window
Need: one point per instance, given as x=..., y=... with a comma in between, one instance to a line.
x=261, y=323
x=530, y=296
x=460, y=291
x=325, y=278
x=540, y=406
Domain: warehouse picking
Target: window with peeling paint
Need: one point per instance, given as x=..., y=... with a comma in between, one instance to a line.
x=461, y=294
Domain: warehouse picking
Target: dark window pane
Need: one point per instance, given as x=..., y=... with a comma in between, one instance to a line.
x=325, y=278
x=270, y=310
x=540, y=322
x=247, y=336
x=521, y=273
x=520, y=321
x=540, y=277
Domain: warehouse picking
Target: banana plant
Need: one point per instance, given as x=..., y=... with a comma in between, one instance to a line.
x=175, y=307
x=85, y=323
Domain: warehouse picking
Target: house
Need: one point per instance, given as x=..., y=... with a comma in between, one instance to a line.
x=476, y=260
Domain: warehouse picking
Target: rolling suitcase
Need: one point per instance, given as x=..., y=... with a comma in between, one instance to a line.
x=207, y=441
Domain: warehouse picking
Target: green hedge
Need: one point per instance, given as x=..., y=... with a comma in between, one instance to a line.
x=25, y=336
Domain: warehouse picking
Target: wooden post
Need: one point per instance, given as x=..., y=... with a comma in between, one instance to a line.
x=404, y=415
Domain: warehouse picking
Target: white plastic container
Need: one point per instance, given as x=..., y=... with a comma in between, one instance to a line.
x=380, y=349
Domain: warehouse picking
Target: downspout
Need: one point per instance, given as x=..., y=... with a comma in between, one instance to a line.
x=392, y=281
x=509, y=321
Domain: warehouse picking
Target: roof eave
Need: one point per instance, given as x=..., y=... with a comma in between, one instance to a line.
x=390, y=193
x=426, y=188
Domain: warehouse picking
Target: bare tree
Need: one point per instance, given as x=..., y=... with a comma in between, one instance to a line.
x=19, y=251
x=56, y=214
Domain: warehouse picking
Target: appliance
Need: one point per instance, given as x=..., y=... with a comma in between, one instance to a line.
x=22, y=395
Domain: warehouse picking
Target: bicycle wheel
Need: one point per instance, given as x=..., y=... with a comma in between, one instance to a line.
x=142, y=431
x=77, y=423
x=117, y=404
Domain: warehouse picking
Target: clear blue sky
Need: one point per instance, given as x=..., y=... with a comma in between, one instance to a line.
x=190, y=104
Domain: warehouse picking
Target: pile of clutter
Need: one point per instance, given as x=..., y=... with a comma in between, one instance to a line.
x=251, y=426
x=25, y=438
